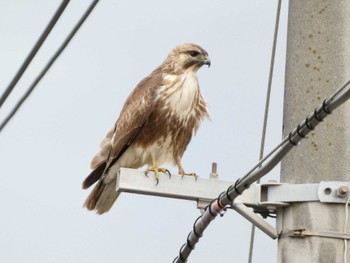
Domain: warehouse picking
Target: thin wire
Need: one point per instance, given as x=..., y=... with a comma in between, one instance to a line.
x=346, y=225
x=266, y=114
x=268, y=94
x=48, y=65
x=33, y=52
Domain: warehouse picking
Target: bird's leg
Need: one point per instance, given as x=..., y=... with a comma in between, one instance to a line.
x=154, y=168
x=183, y=173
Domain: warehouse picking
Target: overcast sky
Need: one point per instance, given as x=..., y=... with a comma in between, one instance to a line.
x=46, y=149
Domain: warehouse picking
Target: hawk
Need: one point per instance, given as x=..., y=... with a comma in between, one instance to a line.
x=154, y=127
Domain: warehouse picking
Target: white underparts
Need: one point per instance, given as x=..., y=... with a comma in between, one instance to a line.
x=180, y=94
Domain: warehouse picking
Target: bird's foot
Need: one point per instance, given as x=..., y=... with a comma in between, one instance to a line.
x=183, y=173
x=156, y=170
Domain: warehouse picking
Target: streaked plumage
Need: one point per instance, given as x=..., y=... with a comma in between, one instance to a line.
x=155, y=125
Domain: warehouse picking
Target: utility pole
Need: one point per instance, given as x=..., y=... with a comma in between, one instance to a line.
x=318, y=59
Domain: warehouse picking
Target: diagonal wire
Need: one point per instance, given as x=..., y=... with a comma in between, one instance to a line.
x=33, y=52
x=227, y=197
x=266, y=114
x=49, y=64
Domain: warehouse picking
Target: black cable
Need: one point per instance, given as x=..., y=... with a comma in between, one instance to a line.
x=180, y=254
x=188, y=242
x=194, y=228
x=317, y=117
x=325, y=108
x=291, y=140
x=307, y=123
x=299, y=131
x=49, y=64
x=33, y=52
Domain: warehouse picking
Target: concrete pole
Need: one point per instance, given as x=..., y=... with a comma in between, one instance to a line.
x=318, y=61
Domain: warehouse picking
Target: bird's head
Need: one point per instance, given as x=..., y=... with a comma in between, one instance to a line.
x=186, y=57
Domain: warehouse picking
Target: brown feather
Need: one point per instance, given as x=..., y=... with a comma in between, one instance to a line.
x=135, y=113
x=94, y=176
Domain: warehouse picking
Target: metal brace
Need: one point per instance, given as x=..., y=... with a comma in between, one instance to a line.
x=264, y=199
x=301, y=233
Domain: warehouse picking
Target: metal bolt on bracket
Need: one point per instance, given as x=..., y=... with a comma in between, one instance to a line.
x=333, y=191
x=214, y=168
x=342, y=191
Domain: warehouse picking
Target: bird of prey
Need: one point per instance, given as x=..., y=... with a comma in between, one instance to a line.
x=154, y=127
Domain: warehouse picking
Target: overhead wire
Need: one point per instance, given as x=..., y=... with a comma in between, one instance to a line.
x=49, y=64
x=266, y=113
x=33, y=52
x=227, y=197
x=346, y=219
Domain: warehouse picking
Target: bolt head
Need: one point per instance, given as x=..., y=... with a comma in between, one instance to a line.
x=342, y=191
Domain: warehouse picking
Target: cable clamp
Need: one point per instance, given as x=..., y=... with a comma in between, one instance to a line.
x=302, y=233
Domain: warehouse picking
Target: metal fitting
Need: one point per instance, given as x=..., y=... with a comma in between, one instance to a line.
x=214, y=169
x=342, y=191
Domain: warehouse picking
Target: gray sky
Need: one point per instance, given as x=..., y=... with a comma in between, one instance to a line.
x=46, y=149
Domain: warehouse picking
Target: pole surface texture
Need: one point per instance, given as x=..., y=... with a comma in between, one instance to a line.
x=318, y=60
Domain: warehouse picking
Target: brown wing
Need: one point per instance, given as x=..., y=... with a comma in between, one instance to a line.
x=133, y=116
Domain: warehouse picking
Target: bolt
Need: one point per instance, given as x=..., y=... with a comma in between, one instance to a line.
x=214, y=168
x=342, y=191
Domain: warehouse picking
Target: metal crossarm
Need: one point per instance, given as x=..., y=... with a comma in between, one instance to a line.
x=176, y=186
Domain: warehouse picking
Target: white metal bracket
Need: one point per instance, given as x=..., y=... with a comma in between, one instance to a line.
x=260, y=198
x=176, y=186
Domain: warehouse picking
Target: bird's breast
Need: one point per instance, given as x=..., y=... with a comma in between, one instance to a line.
x=180, y=95
x=177, y=113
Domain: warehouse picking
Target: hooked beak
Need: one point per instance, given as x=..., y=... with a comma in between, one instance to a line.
x=207, y=62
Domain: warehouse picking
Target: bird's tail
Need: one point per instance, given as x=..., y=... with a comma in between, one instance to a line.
x=104, y=194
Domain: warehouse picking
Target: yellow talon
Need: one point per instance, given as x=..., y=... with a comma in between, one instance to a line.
x=155, y=169
x=183, y=173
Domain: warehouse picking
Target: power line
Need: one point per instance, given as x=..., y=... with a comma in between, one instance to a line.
x=227, y=197
x=49, y=64
x=266, y=114
x=33, y=52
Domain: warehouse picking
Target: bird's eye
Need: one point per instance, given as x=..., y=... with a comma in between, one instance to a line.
x=194, y=53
